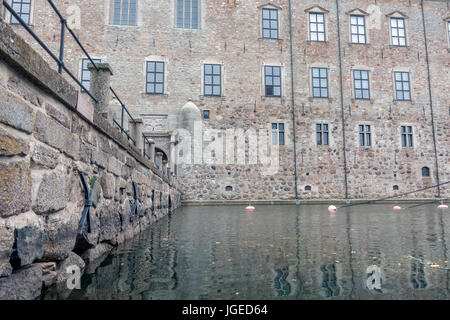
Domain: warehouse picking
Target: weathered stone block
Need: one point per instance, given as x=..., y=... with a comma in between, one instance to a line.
x=15, y=112
x=28, y=246
x=61, y=229
x=15, y=188
x=73, y=147
x=23, y=88
x=114, y=166
x=58, y=116
x=72, y=260
x=6, y=248
x=85, y=153
x=110, y=222
x=95, y=253
x=24, y=284
x=51, y=132
x=51, y=196
x=108, y=185
x=44, y=156
x=100, y=158
x=12, y=146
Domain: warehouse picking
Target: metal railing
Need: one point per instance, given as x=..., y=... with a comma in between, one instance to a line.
x=145, y=141
x=60, y=59
x=123, y=111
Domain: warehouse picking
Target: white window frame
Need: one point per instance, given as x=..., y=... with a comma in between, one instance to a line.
x=260, y=20
x=199, y=15
x=398, y=15
x=7, y=15
x=316, y=9
x=166, y=75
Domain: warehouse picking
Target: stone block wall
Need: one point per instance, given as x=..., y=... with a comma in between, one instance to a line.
x=46, y=142
x=230, y=34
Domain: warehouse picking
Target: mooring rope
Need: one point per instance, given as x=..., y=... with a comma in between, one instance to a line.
x=399, y=195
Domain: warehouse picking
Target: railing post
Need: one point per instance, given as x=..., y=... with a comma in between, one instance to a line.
x=158, y=160
x=61, y=46
x=100, y=87
x=151, y=149
x=136, y=132
x=172, y=159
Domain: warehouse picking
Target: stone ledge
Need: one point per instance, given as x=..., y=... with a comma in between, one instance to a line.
x=21, y=56
x=16, y=52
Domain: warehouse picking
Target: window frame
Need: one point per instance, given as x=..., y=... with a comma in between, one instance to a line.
x=320, y=87
x=365, y=135
x=310, y=23
x=402, y=82
x=147, y=72
x=398, y=37
x=121, y=14
x=270, y=10
x=187, y=15
x=407, y=136
x=321, y=133
x=357, y=16
x=86, y=70
x=427, y=172
x=361, y=80
x=272, y=76
x=212, y=85
x=278, y=134
x=20, y=13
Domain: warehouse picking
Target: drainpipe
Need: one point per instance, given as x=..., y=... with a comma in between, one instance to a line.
x=431, y=100
x=342, y=99
x=293, y=102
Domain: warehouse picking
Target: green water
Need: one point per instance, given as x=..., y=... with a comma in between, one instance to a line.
x=278, y=252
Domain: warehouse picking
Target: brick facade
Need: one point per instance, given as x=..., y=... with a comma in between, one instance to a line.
x=230, y=34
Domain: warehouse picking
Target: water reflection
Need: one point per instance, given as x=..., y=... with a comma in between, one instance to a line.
x=278, y=252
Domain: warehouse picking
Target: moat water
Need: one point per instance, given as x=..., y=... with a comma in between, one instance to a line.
x=279, y=252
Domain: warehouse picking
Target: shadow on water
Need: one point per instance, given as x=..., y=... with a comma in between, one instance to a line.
x=278, y=252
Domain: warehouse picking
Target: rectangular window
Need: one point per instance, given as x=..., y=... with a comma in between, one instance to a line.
x=448, y=32
x=270, y=23
x=155, y=77
x=398, y=32
x=361, y=84
x=23, y=9
x=402, y=86
x=86, y=74
x=322, y=134
x=278, y=134
x=125, y=12
x=316, y=26
x=320, y=82
x=213, y=80
x=187, y=14
x=205, y=114
x=358, y=29
x=272, y=77
x=407, y=136
x=365, y=136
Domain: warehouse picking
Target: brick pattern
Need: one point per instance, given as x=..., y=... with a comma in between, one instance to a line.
x=231, y=34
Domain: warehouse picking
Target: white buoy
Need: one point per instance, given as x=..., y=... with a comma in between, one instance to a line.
x=332, y=209
x=397, y=208
x=442, y=206
x=250, y=208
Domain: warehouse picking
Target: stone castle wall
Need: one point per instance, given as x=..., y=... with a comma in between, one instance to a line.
x=230, y=34
x=47, y=138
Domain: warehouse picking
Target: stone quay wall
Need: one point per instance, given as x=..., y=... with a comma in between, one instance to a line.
x=48, y=136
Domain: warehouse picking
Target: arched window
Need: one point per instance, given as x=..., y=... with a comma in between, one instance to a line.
x=425, y=172
x=228, y=188
x=308, y=188
x=395, y=187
